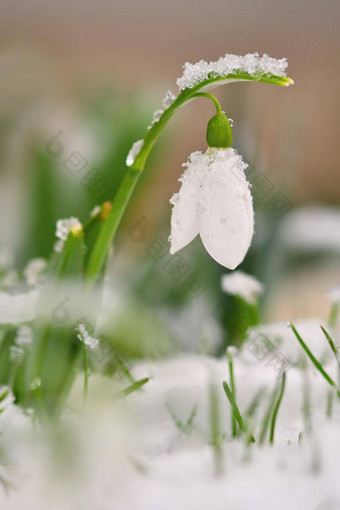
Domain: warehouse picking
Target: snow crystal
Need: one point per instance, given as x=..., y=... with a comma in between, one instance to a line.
x=35, y=384
x=84, y=336
x=63, y=228
x=251, y=63
x=95, y=211
x=243, y=285
x=136, y=147
x=168, y=99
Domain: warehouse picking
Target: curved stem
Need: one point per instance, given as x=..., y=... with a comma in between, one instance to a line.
x=109, y=228
x=213, y=99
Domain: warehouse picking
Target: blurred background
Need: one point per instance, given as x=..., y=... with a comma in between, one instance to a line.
x=82, y=79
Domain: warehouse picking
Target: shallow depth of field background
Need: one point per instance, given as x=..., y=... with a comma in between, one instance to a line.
x=96, y=71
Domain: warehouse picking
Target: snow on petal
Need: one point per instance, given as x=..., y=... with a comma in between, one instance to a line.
x=226, y=222
x=184, y=217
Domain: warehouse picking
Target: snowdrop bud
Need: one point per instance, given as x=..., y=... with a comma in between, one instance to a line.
x=219, y=132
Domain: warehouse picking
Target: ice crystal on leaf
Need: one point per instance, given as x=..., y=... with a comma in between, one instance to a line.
x=168, y=99
x=215, y=202
x=251, y=63
x=95, y=211
x=63, y=228
x=136, y=147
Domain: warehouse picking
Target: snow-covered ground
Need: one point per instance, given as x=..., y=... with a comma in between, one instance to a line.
x=152, y=450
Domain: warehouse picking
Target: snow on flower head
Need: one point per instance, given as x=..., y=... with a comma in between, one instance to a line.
x=63, y=228
x=215, y=202
x=243, y=285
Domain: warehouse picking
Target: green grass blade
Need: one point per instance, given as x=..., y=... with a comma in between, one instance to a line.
x=267, y=416
x=313, y=359
x=333, y=315
x=332, y=346
x=186, y=427
x=276, y=408
x=236, y=411
x=215, y=429
x=133, y=387
x=252, y=407
x=233, y=389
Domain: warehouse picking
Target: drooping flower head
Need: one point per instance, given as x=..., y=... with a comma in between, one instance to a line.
x=214, y=201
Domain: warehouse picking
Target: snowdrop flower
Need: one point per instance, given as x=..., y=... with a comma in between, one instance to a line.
x=215, y=202
x=243, y=285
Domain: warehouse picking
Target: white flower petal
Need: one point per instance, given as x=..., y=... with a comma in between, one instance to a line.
x=226, y=222
x=184, y=217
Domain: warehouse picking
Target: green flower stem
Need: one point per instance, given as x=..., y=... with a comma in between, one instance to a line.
x=233, y=390
x=109, y=228
x=276, y=408
x=236, y=412
x=213, y=99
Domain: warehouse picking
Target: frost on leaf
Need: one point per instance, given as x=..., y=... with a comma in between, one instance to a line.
x=63, y=228
x=136, y=147
x=168, y=99
x=251, y=63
